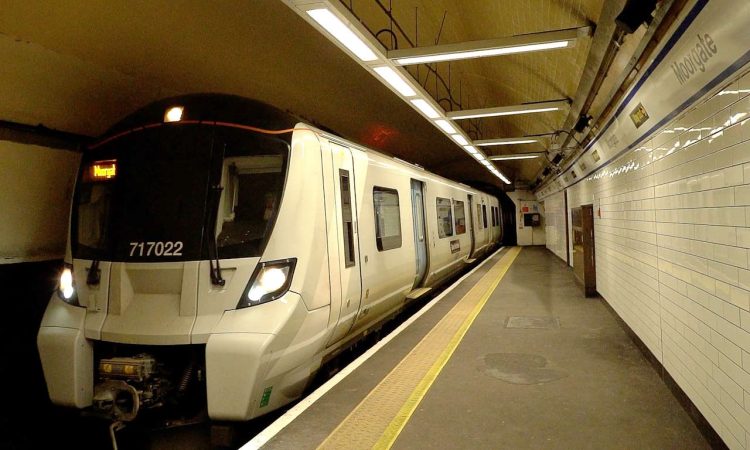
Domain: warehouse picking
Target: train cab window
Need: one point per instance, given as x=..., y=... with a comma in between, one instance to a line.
x=93, y=213
x=494, y=218
x=497, y=216
x=387, y=218
x=460, y=213
x=484, y=215
x=251, y=193
x=346, y=218
x=444, y=217
x=479, y=217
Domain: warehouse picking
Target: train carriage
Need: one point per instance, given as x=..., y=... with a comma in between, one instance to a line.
x=222, y=249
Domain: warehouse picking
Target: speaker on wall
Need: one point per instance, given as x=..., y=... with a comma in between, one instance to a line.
x=634, y=13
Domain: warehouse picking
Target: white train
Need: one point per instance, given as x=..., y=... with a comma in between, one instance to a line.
x=212, y=258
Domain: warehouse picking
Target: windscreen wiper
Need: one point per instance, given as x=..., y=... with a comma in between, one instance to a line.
x=213, y=247
x=93, y=278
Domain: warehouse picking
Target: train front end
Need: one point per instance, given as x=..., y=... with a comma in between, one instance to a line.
x=181, y=289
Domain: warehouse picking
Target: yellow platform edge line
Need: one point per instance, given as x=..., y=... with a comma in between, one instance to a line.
x=399, y=422
x=410, y=404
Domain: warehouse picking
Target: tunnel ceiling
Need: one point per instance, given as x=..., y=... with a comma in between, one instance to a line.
x=80, y=66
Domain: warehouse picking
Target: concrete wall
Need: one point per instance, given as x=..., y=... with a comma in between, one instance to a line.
x=35, y=201
x=528, y=235
x=672, y=232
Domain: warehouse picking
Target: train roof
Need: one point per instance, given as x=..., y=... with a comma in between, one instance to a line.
x=210, y=107
x=416, y=169
x=215, y=107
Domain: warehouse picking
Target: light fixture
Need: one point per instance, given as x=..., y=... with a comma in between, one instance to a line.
x=492, y=47
x=425, y=107
x=502, y=177
x=508, y=110
x=395, y=80
x=505, y=141
x=326, y=19
x=445, y=126
x=460, y=139
x=337, y=23
x=480, y=53
x=173, y=114
x=512, y=157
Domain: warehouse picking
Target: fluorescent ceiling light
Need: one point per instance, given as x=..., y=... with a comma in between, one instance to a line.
x=480, y=53
x=549, y=40
x=446, y=126
x=508, y=110
x=466, y=115
x=395, y=80
x=471, y=149
x=505, y=141
x=479, y=157
x=326, y=19
x=425, y=107
x=512, y=157
x=460, y=139
x=502, y=177
x=487, y=163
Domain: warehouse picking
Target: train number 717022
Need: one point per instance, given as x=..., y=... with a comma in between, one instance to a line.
x=156, y=248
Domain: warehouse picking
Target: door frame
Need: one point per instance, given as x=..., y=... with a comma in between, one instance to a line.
x=472, y=233
x=425, y=245
x=347, y=316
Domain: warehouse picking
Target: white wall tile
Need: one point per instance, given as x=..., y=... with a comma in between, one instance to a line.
x=673, y=253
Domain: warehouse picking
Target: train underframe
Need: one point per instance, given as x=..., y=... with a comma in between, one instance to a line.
x=164, y=384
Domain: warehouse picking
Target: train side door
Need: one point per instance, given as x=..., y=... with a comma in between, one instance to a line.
x=471, y=224
x=347, y=238
x=420, y=235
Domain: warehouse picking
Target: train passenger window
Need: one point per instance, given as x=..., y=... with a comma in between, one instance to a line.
x=346, y=218
x=484, y=215
x=479, y=217
x=444, y=217
x=460, y=212
x=387, y=218
x=494, y=217
x=497, y=216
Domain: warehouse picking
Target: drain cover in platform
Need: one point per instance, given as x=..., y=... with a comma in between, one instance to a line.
x=542, y=322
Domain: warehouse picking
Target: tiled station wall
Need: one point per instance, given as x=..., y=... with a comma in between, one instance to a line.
x=554, y=208
x=672, y=233
x=526, y=235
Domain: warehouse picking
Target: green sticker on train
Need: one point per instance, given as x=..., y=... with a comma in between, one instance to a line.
x=266, y=396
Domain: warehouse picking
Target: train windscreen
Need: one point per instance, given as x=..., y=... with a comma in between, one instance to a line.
x=156, y=194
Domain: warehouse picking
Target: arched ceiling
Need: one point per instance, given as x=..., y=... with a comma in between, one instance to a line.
x=79, y=66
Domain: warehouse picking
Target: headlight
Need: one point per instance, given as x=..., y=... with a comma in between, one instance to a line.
x=270, y=281
x=66, y=289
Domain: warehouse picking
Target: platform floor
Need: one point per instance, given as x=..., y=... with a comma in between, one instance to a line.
x=540, y=366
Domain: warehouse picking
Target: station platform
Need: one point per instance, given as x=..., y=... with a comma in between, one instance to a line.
x=514, y=356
